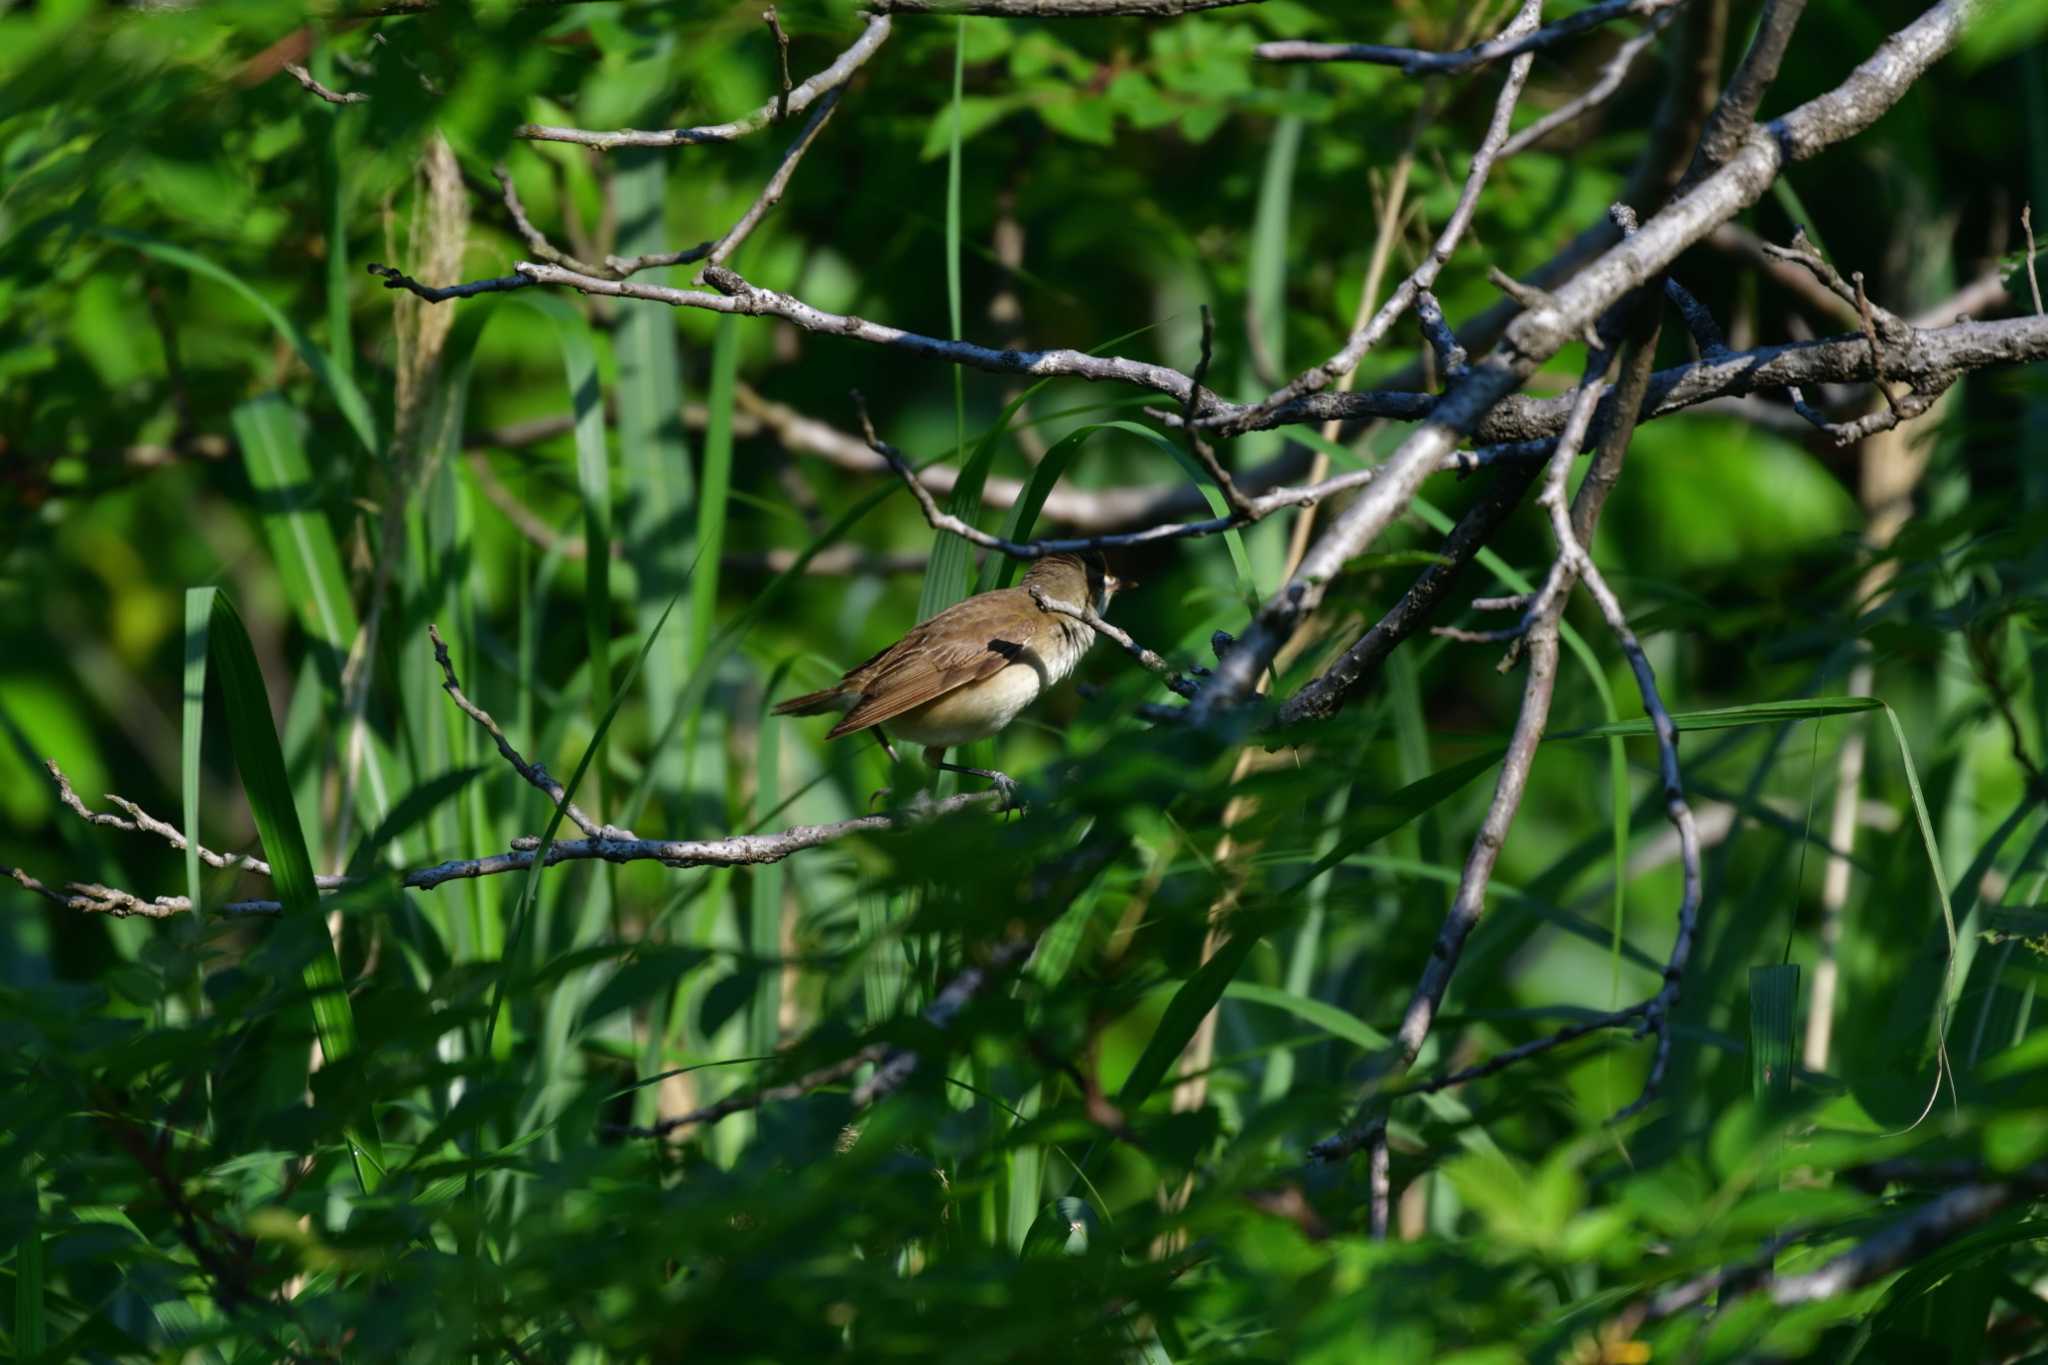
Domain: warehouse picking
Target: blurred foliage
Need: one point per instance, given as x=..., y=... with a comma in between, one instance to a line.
x=204, y=390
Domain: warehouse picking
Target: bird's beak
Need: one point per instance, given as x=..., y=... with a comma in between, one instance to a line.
x=1111, y=583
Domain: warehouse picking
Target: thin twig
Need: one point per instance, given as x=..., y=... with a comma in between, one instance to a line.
x=536, y=240
x=1363, y=339
x=898, y=1067
x=805, y=1084
x=535, y=774
x=1598, y=93
x=313, y=86
x=781, y=107
x=1416, y=62
x=141, y=821
x=774, y=23
x=1088, y=616
x=1735, y=112
x=1203, y=452
x=1256, y=508
x=2033, y=279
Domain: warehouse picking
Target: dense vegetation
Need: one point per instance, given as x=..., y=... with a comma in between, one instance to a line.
x=948, y=1087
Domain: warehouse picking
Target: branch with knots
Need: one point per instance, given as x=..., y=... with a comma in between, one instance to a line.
x=1480, y=402
x=601, y=842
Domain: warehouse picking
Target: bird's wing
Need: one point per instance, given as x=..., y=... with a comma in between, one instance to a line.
x=961, y=645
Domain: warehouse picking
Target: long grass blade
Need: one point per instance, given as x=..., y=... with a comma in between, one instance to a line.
x=354, y=409
x=260, y=761
x=198, y=612
x=654, y=453
x=308, y=560
x=1773, y=1023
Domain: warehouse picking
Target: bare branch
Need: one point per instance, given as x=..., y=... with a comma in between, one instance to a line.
x=2033, y=279
x=1922, y=358
x=774, y=22
x=1540, y=635
x=94, y=899
x=141, y=821
x=811, y=1081
x=1322, y=695
x=1540, y=333
x=536, y=240
x=738, y=850
x=889, y=1077
x=737, y=296
x=534, y=773
x=1612, y=75
x=721, y=250
x=1416, y=62
x=792, y=102
x=397, y=279
x=1535, y=1047
x=1256, y=508
x=1203, y=452
x=1363, y=339
x=313, y=86
x=1932, y=1225
x=1735, y=113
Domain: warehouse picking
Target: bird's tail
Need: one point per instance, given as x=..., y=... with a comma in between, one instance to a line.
x=814, y=703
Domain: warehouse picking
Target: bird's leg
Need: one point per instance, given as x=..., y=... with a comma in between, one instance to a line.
x=1004, y=783
x=887, y=747
x=895, y=762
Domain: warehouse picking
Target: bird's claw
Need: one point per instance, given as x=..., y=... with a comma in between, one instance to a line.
x=1010, y=795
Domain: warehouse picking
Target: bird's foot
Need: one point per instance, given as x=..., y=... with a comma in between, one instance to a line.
x=1005, y=785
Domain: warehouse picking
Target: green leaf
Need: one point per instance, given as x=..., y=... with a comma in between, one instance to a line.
x=973, y=114
x=1773, y=1022
x=1190, y=1005
x=198, y=611
x=654, y=454
x=1327, y=1017
x=1078, y=114
x=347, y=396
x=301, y=538
x=593, y=484
x=31, y=1331
x=946, y=575
x=261, y=763
x=308, y=560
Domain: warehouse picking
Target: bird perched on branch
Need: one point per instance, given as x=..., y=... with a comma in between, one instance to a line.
x=967, y=672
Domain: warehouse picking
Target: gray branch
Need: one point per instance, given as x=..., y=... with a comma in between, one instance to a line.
x=1543, y=331
x=794, y=102
x=1416, y=62
x=1364, y=338
x=1598, y=93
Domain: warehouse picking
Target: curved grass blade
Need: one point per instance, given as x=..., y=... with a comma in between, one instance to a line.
x=946, y=576
x=1325, y=1016
x=354, y=410
x=260, y=761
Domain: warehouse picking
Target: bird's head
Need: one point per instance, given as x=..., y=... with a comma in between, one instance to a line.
x=1075, y=578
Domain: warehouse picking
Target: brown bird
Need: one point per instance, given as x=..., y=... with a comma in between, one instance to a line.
x=967, y=672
